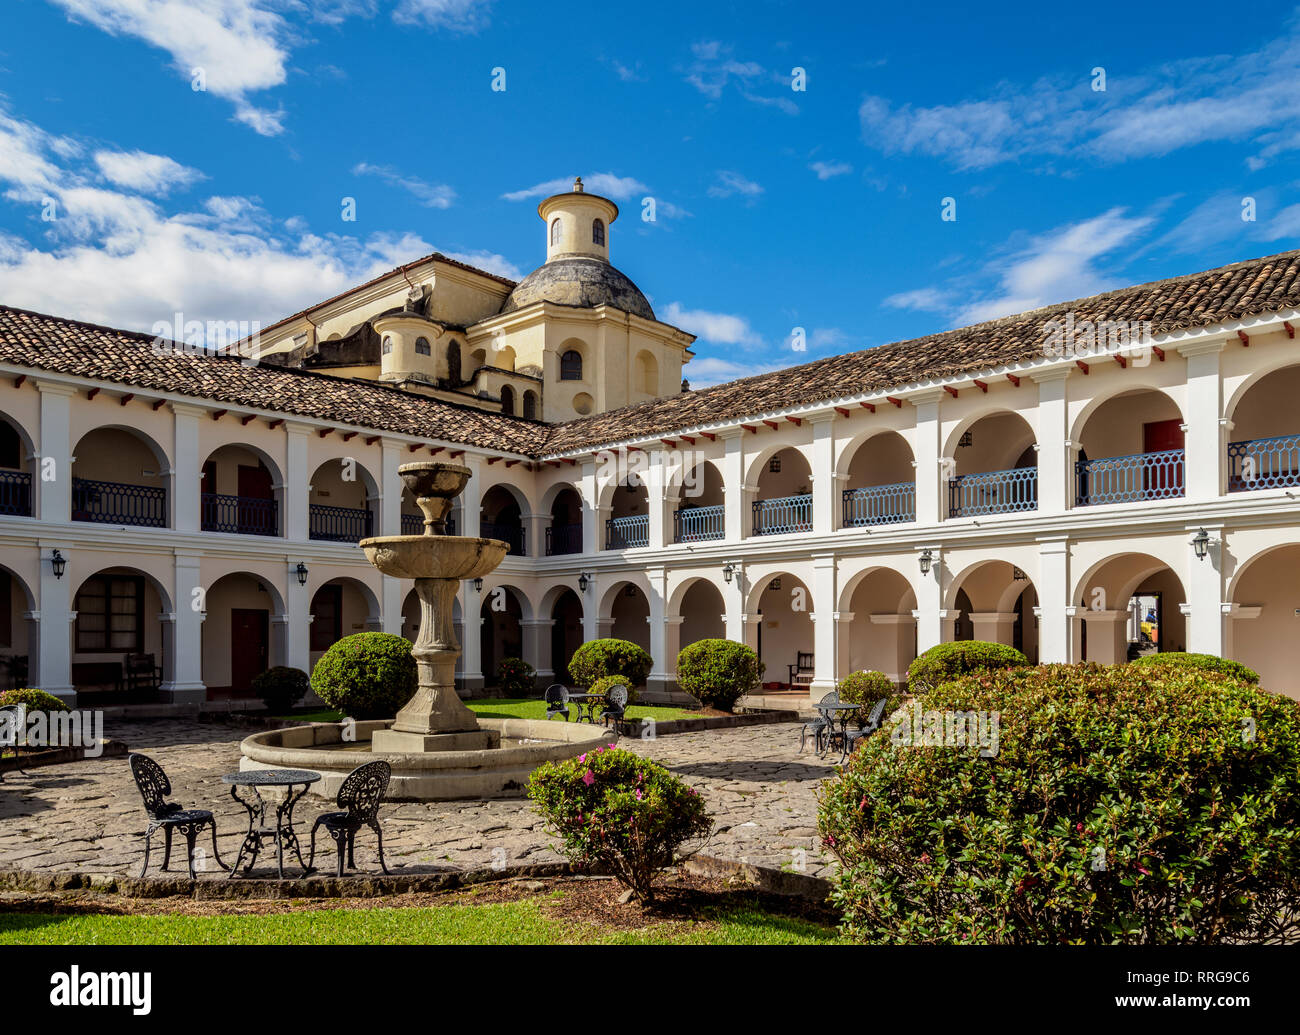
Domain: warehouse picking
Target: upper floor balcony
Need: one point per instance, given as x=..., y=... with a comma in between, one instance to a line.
x=1128, y=479
x=879, y=505
x=783, y=515
x=1264, y=463
x=563, y=539
x=627, y=533
x=699, y=524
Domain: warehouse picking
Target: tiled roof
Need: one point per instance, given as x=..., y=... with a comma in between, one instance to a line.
x=1180, y=303
x=62, y=346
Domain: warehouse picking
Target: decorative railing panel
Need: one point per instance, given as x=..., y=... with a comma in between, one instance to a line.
x=627, y=533
x=562, y=539
x=880, y=505
x=993, y=492
x=114, y=503
x=245, y=515
x=339, y=524
x=784, y=515
x=698, y=524
x=512, y=534
x=16, y=493
x=1264, y=463
x=1127, y=479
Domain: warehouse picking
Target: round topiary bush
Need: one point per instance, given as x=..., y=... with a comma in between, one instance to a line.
x=281, y=687
x=35, y=700
x=596, y=659
x=367, y=675
x=717, y=673
x=604, y=684
x=1119, y=805
x=515, y=677
x=866, y=688
x=1203, y=662
x=619, y=812
x=947, y=660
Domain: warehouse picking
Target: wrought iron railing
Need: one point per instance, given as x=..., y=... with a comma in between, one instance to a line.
x=562, y=539
x=114, y=503
x=16, y=493
x=339, y=524
x=1264, y=463
x=512, y=534
x=412, y=524
x=1127, y=479
x=697, y=524
x=993, y=492
x=245, y=515
x=880, y=505
x=787, y=514
x=627, y=533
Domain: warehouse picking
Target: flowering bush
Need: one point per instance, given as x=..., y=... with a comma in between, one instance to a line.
x=619, y=812
x=717, y=673
x=366, y=675
x=596, y=659
x=35, y=700
x=1122, y=806
x=515, y=677
x=1204, y=662
x=948, y=660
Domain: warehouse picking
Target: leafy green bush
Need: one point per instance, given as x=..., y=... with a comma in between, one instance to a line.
x=596, y=659
x=866, y=688
x=1203, y=662
x=35, y=700
x=717, y=673
x=604, y=684
x=1122, y=805
x=515, y=677
x=366, y=675
x=948, y=660
x=619, y=812
x=281, y=687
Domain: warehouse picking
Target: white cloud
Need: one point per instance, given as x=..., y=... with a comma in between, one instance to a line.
x=718, y=328
x=490, y=261
x=714, y=69
x=455, y=15
x=726, y=183
x=143, y=172
x=925, y=299
x=829, y=170
x=704, y=371
x=430, y=195
x=620, y=188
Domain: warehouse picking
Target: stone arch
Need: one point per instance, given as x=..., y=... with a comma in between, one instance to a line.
x=1262, y=622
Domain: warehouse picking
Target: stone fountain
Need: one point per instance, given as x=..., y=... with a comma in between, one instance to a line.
x=438, y=748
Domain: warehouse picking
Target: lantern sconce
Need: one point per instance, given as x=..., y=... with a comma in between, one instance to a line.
x=478, y=585
x=927, y=558
x=301, y=571
x=1018, y=576
x=1201, y=544
x=728, y=571
x=583, y=580
x=59, y=563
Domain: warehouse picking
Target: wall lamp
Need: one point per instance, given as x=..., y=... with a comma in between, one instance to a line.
x=1201, y=544
x=927, y=558
x=59, y=563
x=301, y=571
x=583, y=580
x=478, y=585
x=728, y=571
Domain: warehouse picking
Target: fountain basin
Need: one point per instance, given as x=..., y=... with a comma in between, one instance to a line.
x=434, y=556
x=499, y=772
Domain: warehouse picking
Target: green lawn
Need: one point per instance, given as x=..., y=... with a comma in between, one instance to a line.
x=512, y=708
x=511, y=923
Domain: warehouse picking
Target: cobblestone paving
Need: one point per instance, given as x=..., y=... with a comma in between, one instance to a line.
x=87, y=816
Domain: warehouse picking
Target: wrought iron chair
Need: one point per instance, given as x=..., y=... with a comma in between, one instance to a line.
x=168, y=816
x=848, y=738
x=557, y=701
x=614, y=707
x=359, y=796
x=822, y=725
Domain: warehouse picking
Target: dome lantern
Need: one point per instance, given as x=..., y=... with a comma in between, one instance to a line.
x=577, y=224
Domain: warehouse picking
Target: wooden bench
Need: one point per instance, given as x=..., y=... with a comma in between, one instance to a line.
x=140, y=672
x=97, y=675
x=801, y=672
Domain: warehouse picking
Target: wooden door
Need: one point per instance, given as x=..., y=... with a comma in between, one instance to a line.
x=255, y=484
x=250, y=647
x=1157, y=437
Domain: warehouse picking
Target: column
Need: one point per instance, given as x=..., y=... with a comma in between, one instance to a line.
x=535, y=526
x=1204, y=611
x=735, y=500
x=994, y=626
x=823, y=592
x=1205, y=462
x=593, y=528
x=390, y=493
x=1107, y=635
x=733, y=600
x=663, y=672
x=590, y=602
x=929, y=614
x=297, y=618
x=537, y=647
x=1055, y=452
x=392, y=595
x=53, y=470
x=843, y=644
x=186, y=685
x=297, y=486
x=1053, y=588
x=904, y=638
x=53, y=661
x=472, y=501
x=656, y=487
x=931, y=474
x=824, y=483
x=471, y=647
x=187, y=468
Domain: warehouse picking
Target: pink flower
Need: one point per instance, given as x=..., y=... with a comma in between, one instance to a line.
x=582, y=758
x=1079, y=827
x=925, y=858
x=588, y=778
x=638, y=794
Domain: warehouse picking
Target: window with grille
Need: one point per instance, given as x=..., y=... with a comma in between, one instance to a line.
x=110, y=614
x=598, y=232
x=571, y=366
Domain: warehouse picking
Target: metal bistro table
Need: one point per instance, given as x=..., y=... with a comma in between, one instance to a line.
x=258, y=828
x=590, y=700
x=844, y=710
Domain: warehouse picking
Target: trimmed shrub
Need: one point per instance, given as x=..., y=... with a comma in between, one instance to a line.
x=717, y=673
x=35, y=700
x=619, y=812
x=1203, y=662
x=947, y=660
x=367, y=675
x=866, y=688
x=1122, y=805
x=604, y=684
x=596, y=659
x=515, y=677
x=281, y=687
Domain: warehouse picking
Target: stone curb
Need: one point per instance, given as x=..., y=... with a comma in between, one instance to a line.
x=59, y=756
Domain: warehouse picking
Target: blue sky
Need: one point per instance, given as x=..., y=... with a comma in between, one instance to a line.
x=775, y=208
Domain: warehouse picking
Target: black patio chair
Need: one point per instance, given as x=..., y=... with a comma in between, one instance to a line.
x=557, y=701
x=848, y=738
x=614, y=707
x=168, y=816
x=359, y=796
x=821, y=725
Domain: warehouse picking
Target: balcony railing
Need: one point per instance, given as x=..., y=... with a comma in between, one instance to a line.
x=512, y=534
x=113, y=503
x=1127, y=479
x=1264, y=463
x=413, y=524
x=245, y=515
x=339, y=524
x=16, y=493
x=880, y=505
x=562, y=539
x=697, y=524
x=627, y=533
x=993, y=492
x=779, y=516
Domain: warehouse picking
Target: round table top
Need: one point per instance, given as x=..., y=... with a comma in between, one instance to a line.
x=271, y=777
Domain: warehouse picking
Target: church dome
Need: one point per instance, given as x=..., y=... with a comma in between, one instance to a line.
x=578, y=281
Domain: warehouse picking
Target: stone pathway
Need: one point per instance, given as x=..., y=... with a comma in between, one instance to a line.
x=87, y=816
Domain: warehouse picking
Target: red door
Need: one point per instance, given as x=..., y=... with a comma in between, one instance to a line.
x=249, y=647
x=1162, y=479
x=255, y=484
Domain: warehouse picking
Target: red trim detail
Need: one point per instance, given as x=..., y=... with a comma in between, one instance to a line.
x=126, y=398
x=896, y=402
x=1081, y=365
x=1160, y=353
x=1245, y=338
x=981, y=386
x=950, y=390
x=1014, y=380
x=869, y=407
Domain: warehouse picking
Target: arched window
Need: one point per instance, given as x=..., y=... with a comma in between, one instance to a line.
x=555, y=231
x=530, y=405
x=388, y=344
x=571, y=366
x=422, y=347
x=598, y=231
x=508, y=401
x=453, y=361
